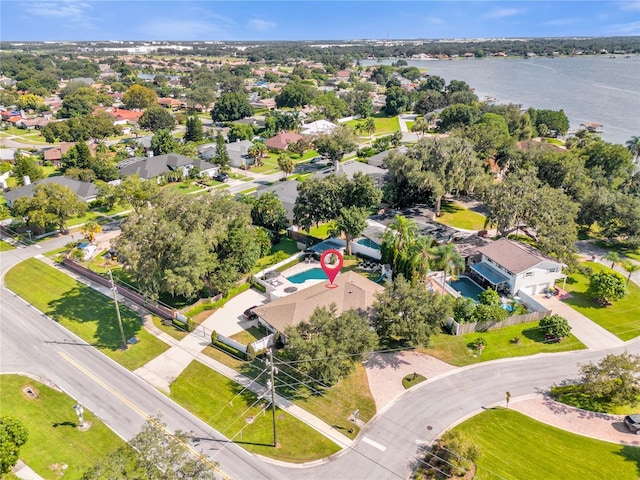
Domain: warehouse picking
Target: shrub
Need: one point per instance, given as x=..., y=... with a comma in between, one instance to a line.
x=489, y=297
x=217, y=304
x=555, y=326
x=226, y=348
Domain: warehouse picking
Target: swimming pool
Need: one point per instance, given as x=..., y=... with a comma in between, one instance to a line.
x=311, y=274
x=466, y=287
x=366, y=242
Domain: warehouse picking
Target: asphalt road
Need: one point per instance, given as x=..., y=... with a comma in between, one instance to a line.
x=387, y=448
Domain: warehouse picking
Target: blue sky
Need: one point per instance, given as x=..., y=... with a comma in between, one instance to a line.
x=312, y=20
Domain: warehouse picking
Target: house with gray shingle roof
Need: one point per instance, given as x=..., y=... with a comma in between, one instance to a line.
x=513, y=266
x=84, y=190
x=156, y=166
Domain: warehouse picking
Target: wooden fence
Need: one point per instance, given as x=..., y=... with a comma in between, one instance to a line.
x=154, y=308
x=462, y=328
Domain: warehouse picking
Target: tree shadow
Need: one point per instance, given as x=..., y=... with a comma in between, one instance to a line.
x=631, y=454
x=64, y=424
x=535, y=334
x=83, y=305
x=386, y=360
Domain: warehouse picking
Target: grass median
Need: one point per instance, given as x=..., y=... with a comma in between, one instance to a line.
x=513, y=446
x=54, y=439
x=84, y=311
x=241, y=416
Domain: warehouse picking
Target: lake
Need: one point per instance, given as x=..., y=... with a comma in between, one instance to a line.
x=596, y=89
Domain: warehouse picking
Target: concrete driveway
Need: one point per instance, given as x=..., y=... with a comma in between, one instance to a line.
x=228, y=320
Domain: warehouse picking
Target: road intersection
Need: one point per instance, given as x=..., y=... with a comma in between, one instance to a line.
x=387, y=447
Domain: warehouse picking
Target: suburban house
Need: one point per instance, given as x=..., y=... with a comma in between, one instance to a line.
x=592, y=127
x=353, y=292
x=317, y=127
x=170, y=103
x=33, y=123
x=264, y=103
x=157, y=166
x=54, y=155
x=510, y=267
x=124, y=117
x=238, y=152
x=84, y=190
x=282, y=141
x=287, y=192
x=350, y=168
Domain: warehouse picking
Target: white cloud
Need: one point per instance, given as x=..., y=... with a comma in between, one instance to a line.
x=505, y=12
x=66, y=9
x=631, y=6
x=261, y=25
x=632, y=28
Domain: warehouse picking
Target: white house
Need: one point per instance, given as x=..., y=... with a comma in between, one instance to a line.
x=317, y=127
x=510, y=266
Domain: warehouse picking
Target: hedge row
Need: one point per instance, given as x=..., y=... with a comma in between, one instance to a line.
x=226, y=348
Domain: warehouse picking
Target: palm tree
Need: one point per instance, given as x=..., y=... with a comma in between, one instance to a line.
x=257, y=151
x=633, y=144
x=613, y=257
x=400, y=233
x=421, y=256
x=286, y=164
x=630, y=267
x=451, y=261
x=420, y=127
x=370, y=127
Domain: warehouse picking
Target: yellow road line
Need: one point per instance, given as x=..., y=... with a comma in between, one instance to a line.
x=141, y=412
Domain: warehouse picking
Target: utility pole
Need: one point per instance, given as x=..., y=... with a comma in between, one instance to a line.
x=115, y=299
x=273, y=396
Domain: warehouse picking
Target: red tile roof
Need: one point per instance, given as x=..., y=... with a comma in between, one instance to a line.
x=282, y=140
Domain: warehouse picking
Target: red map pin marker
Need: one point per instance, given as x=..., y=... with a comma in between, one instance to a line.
x=331, y=270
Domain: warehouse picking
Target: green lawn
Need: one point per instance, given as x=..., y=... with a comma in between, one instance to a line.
x=454, y=350
x=249, y=335
x=232, y=412
x=270, y=162
x=457, y=216
x=333, y=405
x=384, y=124
x=320, y=231
x=4, y=246
x=85, y=312
x=287, y=246
x=184, y=187
x=516, y=447
x=96, y=215
x=622, y=318
x=54, y=439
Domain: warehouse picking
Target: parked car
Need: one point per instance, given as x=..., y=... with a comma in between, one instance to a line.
x=223, y=177
x=316, y=159
x=633, y=423
x=249, y=314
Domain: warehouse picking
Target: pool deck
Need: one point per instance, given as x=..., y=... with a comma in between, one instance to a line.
x=280, y=283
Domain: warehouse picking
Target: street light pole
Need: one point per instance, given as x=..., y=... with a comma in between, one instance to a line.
x=115, y=299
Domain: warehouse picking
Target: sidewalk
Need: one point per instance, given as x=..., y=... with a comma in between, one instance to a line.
x=166, y=367
x=584, y=329
x=601, y=426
